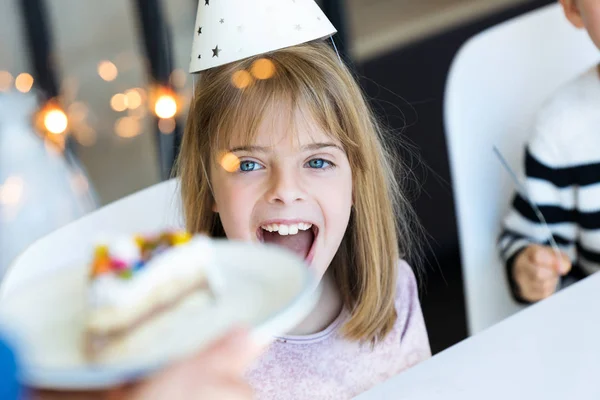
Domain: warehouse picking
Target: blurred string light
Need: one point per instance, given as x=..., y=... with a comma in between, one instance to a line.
x=11, y=191
x=107, y=71
x=165, y=106
x=79, y=183
x=52, y=122
x=56, y=121
x=85, y=135
x=118, y=102
x=77, y=114
x=263, y=69
x=24, y=82
x=241, y=79
x=167, y=126
x=138, y=113
x=131, y=99
x=134, y=99
x=178, y=78
x=186, y=98
x=142, y=93
x=6, y=80
x=127, y=127
x=230, y=162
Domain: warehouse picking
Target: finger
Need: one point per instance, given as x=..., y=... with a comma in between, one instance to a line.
x=549, y=288
x=540, y=274
x=531, y=294
x=529, y=289
x=563, y=266
x=533, y=289
x=527, y=285
x=530, y=273
x=542, y=256
x=543, y=289
x=547, y=292
x=538, y=288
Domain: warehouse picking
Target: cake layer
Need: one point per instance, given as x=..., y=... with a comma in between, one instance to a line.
x=99, y=342
x=126, y=296
x=108, y=319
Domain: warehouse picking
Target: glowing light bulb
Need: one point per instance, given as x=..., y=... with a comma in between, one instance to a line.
x=165, y=106
x=55, y=121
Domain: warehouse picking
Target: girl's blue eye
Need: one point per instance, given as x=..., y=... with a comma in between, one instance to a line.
x=318, y=163
x=247, y=166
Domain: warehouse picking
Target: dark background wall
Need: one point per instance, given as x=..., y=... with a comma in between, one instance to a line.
x=407, y=90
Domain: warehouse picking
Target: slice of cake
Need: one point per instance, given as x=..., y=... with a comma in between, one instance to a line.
x=136, y=279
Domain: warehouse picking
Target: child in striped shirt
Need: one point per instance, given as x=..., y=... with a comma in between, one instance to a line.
x=562, y=165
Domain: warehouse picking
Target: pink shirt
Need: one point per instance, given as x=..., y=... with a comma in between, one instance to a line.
x=327, y=366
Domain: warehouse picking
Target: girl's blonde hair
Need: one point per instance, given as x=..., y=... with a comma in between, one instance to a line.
x=312, y=78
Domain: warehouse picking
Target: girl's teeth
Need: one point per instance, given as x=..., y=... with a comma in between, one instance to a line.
x=285, y=230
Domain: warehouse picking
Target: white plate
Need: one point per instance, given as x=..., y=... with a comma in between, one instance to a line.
x=265, y=287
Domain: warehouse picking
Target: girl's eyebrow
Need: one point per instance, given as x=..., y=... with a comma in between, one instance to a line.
x=319, y=146
x=308, y=147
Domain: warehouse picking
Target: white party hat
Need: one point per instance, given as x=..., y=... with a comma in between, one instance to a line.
x=231, y=30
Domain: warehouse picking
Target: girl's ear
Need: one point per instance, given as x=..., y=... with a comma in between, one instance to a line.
x=214, y=207
x=573, y=13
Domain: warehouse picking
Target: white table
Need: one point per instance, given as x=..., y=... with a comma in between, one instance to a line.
x=548, y=351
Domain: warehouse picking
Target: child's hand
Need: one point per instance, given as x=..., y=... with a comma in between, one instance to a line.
x=215, y=373
x=537, y=271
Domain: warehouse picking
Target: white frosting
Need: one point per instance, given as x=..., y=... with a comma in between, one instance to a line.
x=187, y=263
x=125, y=249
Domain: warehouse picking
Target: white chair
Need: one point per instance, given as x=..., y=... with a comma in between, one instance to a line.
x=152, y=209
x=497, y=82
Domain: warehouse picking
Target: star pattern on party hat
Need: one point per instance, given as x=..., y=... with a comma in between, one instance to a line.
x=232, y=30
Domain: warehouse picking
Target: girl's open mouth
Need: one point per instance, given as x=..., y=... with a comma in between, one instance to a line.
x=298, y=236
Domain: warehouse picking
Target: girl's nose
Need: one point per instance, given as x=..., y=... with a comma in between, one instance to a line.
x=285, y=188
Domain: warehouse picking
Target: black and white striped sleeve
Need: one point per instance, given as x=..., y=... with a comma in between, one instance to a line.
x=553, y=191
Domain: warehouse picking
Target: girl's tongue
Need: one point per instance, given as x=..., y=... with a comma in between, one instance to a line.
x=299, y=243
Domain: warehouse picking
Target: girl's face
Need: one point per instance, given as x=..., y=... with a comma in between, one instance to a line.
x=293, y=190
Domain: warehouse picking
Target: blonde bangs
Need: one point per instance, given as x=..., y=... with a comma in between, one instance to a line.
x=240, y=113
x=310, y=79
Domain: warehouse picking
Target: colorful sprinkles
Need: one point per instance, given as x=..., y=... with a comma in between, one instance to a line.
x=149, y=246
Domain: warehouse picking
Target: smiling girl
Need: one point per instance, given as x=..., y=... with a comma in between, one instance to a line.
x=309, y=173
